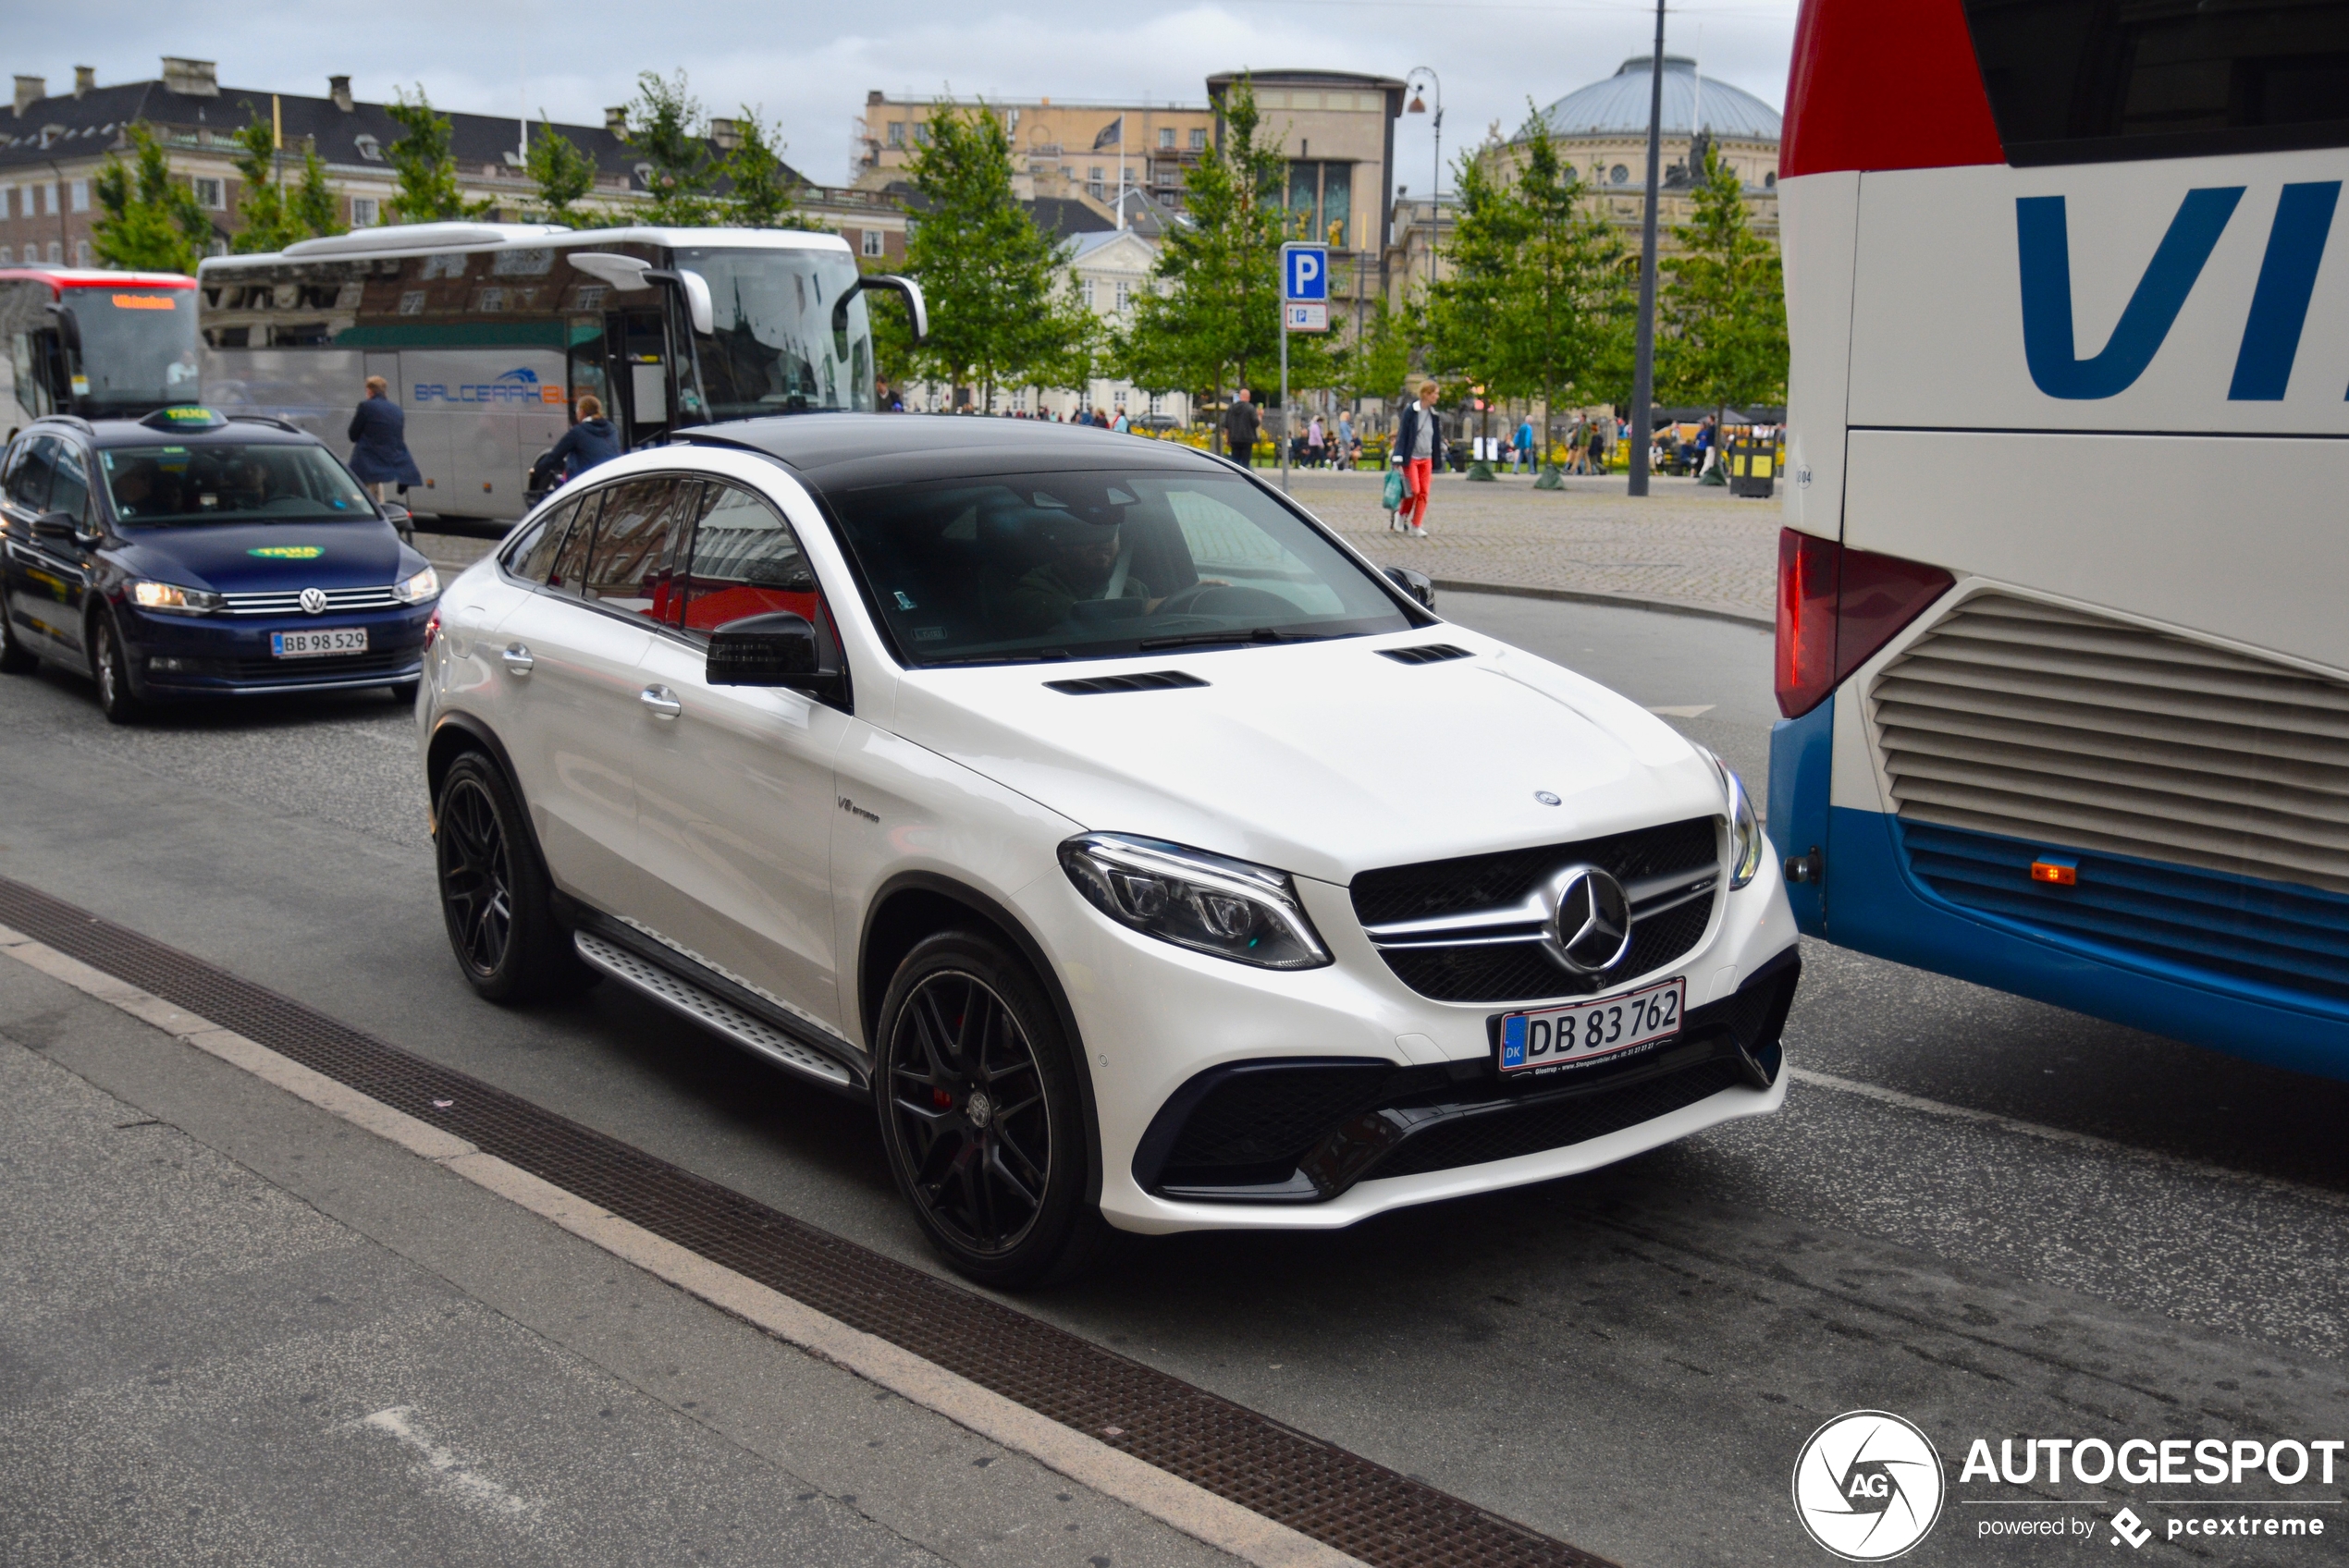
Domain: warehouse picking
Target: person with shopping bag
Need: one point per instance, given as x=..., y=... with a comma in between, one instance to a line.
x=1419, y=448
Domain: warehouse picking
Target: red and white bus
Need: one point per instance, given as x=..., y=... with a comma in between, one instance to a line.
x=2064, y=620
x=103, y=345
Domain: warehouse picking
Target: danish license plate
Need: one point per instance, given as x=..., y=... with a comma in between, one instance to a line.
x=1568, y=1037
x=312, y=645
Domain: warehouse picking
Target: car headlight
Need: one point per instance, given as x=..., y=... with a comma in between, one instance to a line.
x=1746, y=842
x=425, y=585
x=1232, y=909
x=173, y=599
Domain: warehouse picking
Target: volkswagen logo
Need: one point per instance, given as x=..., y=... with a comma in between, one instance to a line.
x=314, y=602
x=1592, y=928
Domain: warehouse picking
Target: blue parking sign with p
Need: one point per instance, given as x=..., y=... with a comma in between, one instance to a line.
x=1305, y=272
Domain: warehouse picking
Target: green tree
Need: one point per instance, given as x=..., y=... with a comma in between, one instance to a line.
x=1003, y=308
x=148, y=221
x=1720, y=334
x=425, y=164
x=274, y=217
x=760, y=192
x=667, y=128
x=1213, y=320
x=1378, y=363
x=1468, y=335
x=560, y=173
x=1567, y=311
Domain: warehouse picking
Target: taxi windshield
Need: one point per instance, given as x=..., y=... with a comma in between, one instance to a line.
x=230, y=483
x=1021, y=567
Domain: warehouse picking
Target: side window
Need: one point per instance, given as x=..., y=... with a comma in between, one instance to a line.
x=69, y=487
x=568, y=569
x=29, y=470
x=746, y=561
x=629, y=569
x=529, y=556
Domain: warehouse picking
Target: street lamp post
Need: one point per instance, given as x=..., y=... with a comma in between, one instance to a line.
x=1644, y=367
x=1435, y=190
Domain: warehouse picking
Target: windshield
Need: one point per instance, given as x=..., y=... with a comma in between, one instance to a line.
x=1079, y=565
x=231, y=483
x=137, y=347
x=773, y=351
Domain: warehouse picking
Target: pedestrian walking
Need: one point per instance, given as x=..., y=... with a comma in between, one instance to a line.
x=591, y=441
x=1349, y=445
x=1121, y=424
x=1317, y=443
x=1419, y=448
x=1598, y=447
x=1524, y=454
x=379, y=441
x=1240, y=429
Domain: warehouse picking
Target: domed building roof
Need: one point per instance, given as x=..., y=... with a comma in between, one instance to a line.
x=1618, y=105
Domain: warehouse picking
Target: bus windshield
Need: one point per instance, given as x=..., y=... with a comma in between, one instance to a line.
x=773, y=351
x=137, y=347
x=230, y=482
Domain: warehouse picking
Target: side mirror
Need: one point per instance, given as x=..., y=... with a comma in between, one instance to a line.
x=775, y=649
x=57, y=525
x=1415, y=583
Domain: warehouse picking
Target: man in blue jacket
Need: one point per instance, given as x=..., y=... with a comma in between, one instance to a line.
x=591, y=441
x=379, y=441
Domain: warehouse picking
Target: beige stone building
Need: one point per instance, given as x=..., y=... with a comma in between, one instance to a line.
x=1064, y=150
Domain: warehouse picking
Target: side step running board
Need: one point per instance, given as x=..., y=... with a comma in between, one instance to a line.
x=711, y=1013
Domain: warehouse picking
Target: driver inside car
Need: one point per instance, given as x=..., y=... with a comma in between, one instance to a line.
x=1079, y=565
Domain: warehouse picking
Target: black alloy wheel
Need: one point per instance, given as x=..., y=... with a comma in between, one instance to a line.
x=493, y=893
x=110, y=667
x=980, y=1114
x=15, y=657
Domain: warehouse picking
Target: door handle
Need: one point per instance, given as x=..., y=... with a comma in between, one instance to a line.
x=660, y=702
x=518, y=658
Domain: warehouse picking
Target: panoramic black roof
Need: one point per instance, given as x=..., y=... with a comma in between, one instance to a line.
x=837, y=451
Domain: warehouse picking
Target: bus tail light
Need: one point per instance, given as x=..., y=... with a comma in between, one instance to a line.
x=1837, y=608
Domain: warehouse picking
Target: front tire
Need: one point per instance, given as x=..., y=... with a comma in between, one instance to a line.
x=110, y=667
x=494, y=891
x=981, y=1118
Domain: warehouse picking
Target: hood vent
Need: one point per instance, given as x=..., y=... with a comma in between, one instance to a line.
x=1150, y=680
x=1426, y=652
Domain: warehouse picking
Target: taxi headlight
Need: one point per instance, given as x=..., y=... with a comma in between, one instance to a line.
x=425, y=585
x=1746, y=841
x=173, y=599
x=1230, y=908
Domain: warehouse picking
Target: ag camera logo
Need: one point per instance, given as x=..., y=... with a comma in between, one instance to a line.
x=1868, y=1486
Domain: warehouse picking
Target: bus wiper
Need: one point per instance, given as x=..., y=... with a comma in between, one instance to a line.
x=1256, y=634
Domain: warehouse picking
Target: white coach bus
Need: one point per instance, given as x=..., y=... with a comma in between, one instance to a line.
x=490, y=332
x=2063, y=621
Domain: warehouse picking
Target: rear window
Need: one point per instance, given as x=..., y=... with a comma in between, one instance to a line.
x=2087, y=80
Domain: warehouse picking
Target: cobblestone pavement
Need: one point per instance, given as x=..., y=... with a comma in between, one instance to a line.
x=1700, y=548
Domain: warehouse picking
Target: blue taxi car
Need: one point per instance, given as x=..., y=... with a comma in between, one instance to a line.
x=187, y=555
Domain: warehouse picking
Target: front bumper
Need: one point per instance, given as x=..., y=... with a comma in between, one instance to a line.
x=229, y=656
x=1159, y=1020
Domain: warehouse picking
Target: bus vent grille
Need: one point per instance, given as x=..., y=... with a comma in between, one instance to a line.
x=2070, y=731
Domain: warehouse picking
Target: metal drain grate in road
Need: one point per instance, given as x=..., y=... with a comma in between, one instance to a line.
x=1335, y=1497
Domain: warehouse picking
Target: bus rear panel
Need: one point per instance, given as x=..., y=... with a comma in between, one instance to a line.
x=2063, y=640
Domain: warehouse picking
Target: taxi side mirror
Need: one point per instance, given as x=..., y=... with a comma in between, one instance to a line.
x=57, y=525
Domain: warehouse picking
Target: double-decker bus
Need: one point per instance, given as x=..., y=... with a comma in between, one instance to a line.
x=2064, y=613
x=489, y=334
x=102, y=345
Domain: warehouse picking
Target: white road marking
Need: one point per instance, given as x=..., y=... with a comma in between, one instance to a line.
x=2180, y=1164
x=1698, y=711
x=445, y=1465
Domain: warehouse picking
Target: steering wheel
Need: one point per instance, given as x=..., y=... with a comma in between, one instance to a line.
x=1222, y=599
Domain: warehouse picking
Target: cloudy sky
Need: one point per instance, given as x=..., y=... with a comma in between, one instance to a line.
x=808, y=67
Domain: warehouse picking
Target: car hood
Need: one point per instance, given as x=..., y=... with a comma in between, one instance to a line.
x=1323, y=759
x=255, y=557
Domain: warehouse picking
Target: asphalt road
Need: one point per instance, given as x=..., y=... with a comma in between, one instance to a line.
x=1994, y=1217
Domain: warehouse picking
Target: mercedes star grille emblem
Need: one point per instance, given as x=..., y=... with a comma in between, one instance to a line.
x=314, y=601
x=1594, y=925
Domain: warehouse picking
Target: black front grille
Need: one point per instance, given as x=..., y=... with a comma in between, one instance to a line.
x=1453, y=886
x=1514, y=972
x=1532, y=1129
x=335, y=667
x=1265, y=1121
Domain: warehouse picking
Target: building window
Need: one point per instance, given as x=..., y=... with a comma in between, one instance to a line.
x=81, y=253
x=1619, y=175
x=411, y=303
x=1125, y=292
x=1198, y=139
x=6, y=256
x=77, y=195
x=897, y=133
x=56, y=254
x=1166, y=138
x=1770, y=180
x=364, y=212
x=1085, y=288
x=369, y=148
x=211, y=194
x=872, y=242
x=1158, y=404
x=921, y=133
